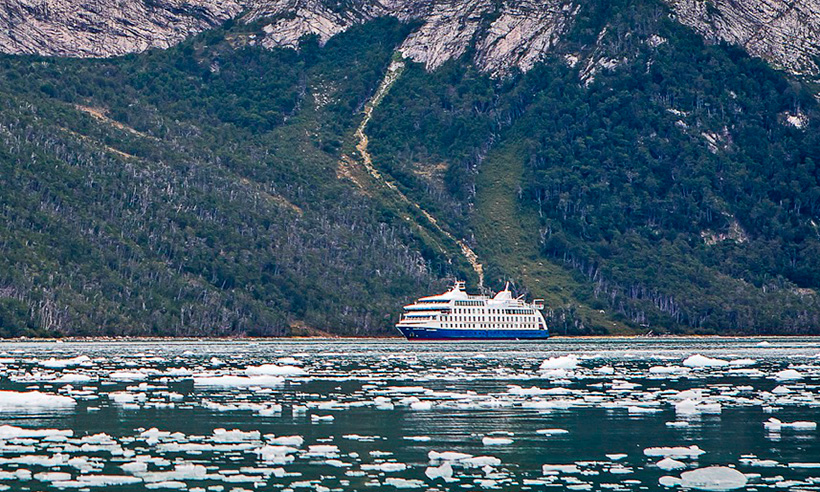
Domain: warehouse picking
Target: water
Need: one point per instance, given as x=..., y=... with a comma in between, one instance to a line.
x=392, y=403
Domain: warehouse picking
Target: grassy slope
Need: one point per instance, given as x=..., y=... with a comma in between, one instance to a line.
x=507, y=238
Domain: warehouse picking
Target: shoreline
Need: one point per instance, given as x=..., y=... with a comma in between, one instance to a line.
x=390, y=338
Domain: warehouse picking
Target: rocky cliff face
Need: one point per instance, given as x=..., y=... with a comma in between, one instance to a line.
x=787, y=34
x=100, y=28
x=513, y=33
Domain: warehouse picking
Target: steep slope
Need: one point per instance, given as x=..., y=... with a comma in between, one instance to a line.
x=502, y=34
x=193, y=191
x=679, y=180
x=599, y=154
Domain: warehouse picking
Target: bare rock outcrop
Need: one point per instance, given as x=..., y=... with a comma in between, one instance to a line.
x=101, y=28
x=786, y=34
x=506, y=34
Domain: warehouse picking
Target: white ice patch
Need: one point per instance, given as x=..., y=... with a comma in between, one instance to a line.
x=128, y=376
x=12, y=432
x=713, y=478
x=668, y=464
x=53, y=363
x=553, y=469
x=275, y=370
x=552, y=432
x=775, y=425
x=238, y=381
x=563, y=362
x=692, y=451
x=700, y=361
x=13, y=401
x=788, y=375
x=496, y=441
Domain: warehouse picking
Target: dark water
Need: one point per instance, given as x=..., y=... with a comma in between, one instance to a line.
x=393, y=402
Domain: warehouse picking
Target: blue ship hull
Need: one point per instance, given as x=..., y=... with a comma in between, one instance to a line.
x=477, y=334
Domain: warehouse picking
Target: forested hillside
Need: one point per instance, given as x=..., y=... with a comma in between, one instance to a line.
x=636, y=178
x=678, y=180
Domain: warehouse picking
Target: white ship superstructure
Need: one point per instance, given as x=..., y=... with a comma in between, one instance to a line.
x=456, y=314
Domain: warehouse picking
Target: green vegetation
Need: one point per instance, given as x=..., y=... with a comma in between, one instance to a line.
x=194, y=191
x=672, y=185
x=657, y=184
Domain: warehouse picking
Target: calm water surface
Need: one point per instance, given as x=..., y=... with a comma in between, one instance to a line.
x=376, y=414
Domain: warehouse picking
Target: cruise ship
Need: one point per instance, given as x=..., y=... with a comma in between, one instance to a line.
x=458, y=315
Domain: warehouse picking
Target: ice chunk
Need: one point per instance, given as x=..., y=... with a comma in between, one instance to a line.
x=606, y=370
x=668, y=481
x=128, y=376
x=700, y=361
x=519, y=391
x=421, y=405
x=713, y=478
x=404, y=483
x=563, y=362
x=690, y=406
x=668, y=369
x=547, y=469
x=552, y=432
x=496, y=441
x=435, y=456
x=480, y=461
x=12, y=432
x=13, y=401
x=787, y=375
x=742, y=362
x=670, y=464
x=53, y=363
x=321, y=418
x=692, y=451
x=52, y=476
x=775, y=425
x=286, y=440
x=418, y=438
x=239, y=381
x=443, y=471
x=275, y=370
x=385, y=467
x=72, y=378
x=235, y=435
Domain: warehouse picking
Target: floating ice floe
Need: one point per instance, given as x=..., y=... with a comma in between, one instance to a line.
x=82, y=360
x=701, y=361
x=562, y=362
x=285, y=440
x=668, y=370
x=421, y=405
x=238, y=381
x=12, y=432
x=128, y=376
x=552, y=432
x=496, y=441
x=404, y=483
x=669, y=464
x=774, y=424
x=787, y=375
x=13, y=401
x=692, y=451
x=690, y=406
x=443, y=471
x=554, y=469
x=713, y=478
x=275, y=370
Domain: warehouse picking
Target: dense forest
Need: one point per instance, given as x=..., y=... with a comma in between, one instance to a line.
x=637, y=178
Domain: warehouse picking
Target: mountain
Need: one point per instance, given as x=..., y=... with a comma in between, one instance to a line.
x=306, y=166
